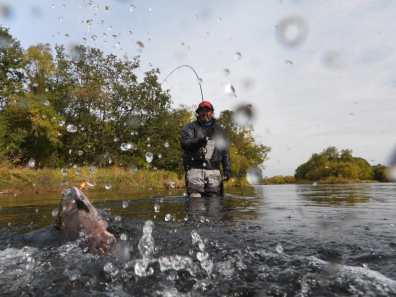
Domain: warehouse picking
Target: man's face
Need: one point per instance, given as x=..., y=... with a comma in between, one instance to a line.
x=205, y=114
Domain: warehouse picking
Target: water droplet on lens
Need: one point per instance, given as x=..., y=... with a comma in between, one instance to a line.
x=132, y=7
x=156, y=207
x=61, y=123
x=160, y=156
x=32, y=163
x=78, y=171
x=92, y=169
x=230, y=90
x=91, y=183
x=292, y=31
x=243, y=115
x=238, y=56
x=139, y=46
x=110, y=28
x=64, y=171
x=108, y=9
x=253, y=176
x=315, y=184
x=132, y=170
x=108, y=186
x=219, y=20
x=172, y=184
x=60, y=18
x=166, y=144
x=123, y=237
x=226, y=72
x=80, y=152
x=46, y=103
x=149, y=157
x=93, y=37
x=64, y=181
x=71, y=128
x=125, y=204
x=168, y=217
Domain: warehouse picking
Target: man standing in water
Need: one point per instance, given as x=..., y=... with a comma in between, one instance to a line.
x=204, y=145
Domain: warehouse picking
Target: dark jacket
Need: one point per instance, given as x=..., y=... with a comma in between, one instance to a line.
x=192, y=141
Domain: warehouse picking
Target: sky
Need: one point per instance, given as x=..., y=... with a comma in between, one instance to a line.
x=317, y=73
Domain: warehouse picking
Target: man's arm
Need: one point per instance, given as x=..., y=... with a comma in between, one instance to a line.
x=188, y=141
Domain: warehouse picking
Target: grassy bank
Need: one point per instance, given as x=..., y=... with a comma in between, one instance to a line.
x=336, y=180
x=27, y=180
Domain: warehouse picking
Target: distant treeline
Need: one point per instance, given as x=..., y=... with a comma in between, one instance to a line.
x=333, y=166
x=63, y=109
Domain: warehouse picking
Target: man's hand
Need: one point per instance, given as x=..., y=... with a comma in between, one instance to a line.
x=227, y=175
x=202, y=142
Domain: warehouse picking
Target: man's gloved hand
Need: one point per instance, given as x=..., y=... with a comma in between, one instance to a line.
x=202, y=142
x=227, y=175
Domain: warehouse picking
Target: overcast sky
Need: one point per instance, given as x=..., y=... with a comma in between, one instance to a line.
x=318, y=73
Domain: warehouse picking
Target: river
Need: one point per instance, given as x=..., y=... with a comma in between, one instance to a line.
x=284, y=240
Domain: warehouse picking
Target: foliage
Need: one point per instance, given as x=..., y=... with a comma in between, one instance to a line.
x=85, y=107
x=331, y=164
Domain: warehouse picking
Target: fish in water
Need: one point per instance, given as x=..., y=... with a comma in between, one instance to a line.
x=77, y=216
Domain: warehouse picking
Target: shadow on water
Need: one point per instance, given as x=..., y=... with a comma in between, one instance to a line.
x=289, y=240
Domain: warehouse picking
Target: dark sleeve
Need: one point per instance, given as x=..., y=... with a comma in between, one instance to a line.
x=188, y=139
x=226, y=160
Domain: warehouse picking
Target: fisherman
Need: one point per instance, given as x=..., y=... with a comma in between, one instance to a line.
x=205, y=147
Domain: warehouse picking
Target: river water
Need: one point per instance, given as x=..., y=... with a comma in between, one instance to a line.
x=284, y=240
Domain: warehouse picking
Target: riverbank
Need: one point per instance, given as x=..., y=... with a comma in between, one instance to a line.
x=27, y=180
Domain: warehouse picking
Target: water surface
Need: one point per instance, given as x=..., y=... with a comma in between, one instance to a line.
x=285, y=240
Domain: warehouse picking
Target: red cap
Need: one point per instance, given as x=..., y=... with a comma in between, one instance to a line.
x=204, y=104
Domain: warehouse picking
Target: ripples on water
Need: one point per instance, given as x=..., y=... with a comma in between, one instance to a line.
x=291, y=240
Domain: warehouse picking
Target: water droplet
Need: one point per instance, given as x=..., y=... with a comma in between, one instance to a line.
x=279, y=248
x=71, y=128
x=156, y=207
x=230, y=90
x=61, y=123
x=46, y=103
x=132, y=7
x=92, y=169
x=126, y=146
x=226, y=72
x=139, y=46
x=64, y=171
x=123, y=237
x=32, y=163
x=60, y=18
x=108, y=9
x=93, y=37
x=64, y=181
x=110, y=28
x=125, y=204
x=238, y=56
x=315, y=184
x=243, y=115
x=253, y=176
x=148, y=139
x=108, y=186
x=80, y=152
x=149, y=157
x=289, y=62
x=292, y=31
x=166, y=144
x=34, y=185
x=219, y=20
x=149, y=145
x=91, y=182
x=132, y=170
x=160, y=156
x=199, y=80
x=168, y=217
x=78, y=171
x=202, y=219
x=172, y=184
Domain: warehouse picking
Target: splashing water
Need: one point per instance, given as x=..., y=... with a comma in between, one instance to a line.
x=149, y=157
